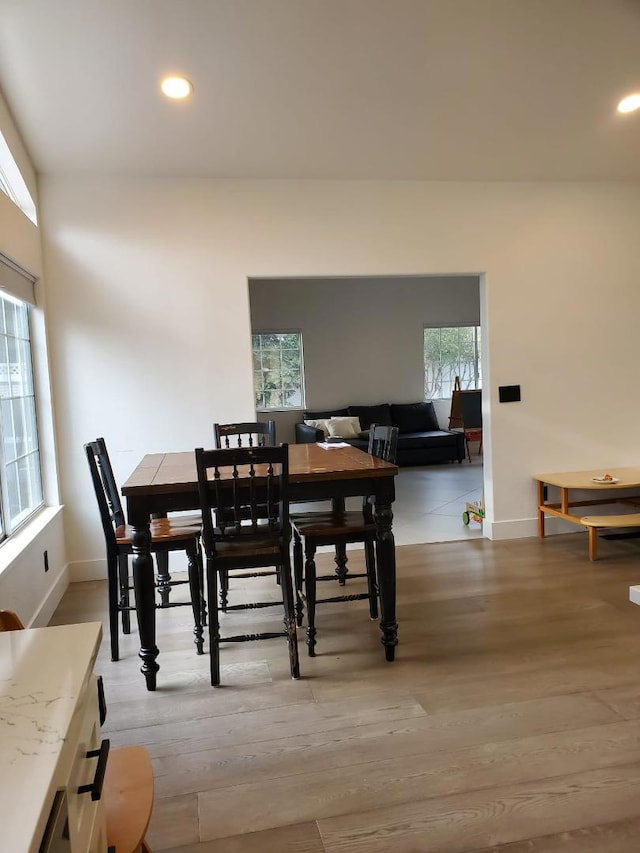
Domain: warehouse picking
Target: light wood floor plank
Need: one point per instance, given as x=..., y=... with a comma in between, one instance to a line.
x=160, y=708
x=174, y=822
x=301, y=838
x=381, y=785
x=246, y=727
x=467, y=822
x=622, y=836
x=359, y=744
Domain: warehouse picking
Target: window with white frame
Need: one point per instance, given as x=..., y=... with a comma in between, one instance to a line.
x=278, y=376
x=451, y=351
x=20, y=474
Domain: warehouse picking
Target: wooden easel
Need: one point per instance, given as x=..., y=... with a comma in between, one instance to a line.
x=469, y=401
x=455, y=416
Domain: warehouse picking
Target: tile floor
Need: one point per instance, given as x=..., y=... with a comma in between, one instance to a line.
x=430, y=501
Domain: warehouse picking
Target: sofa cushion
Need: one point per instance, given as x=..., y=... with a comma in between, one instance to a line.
x=336, y=413
x=368, y=415
x=414, y=417
x=344, y=427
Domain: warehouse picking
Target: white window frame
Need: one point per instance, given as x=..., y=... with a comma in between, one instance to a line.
x=258, y=389
x=474, y=380
x=17, y=286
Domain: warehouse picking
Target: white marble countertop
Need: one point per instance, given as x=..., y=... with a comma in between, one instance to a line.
x=43, y=672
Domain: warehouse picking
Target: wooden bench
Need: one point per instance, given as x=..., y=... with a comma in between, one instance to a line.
x=128, y=799
x=597, y=522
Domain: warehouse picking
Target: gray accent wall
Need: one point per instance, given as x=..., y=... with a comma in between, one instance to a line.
x=361, y=336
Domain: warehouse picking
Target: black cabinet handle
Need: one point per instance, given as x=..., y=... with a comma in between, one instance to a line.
x=102, y=703
x=95, y=788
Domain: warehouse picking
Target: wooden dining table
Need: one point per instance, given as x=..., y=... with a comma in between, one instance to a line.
x=166, y=482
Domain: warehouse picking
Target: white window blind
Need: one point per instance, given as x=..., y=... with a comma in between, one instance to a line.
x=16, y=282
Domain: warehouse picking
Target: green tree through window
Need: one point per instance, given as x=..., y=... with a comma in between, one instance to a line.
x=450, y=352
x=277, y=370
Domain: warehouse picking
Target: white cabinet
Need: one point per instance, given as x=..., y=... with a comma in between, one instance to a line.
x=49, y=721
x=86, y=816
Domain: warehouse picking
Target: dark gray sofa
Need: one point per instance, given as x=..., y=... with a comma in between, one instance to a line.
x=420, y=439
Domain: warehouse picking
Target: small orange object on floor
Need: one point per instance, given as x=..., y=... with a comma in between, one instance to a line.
x=128, y=799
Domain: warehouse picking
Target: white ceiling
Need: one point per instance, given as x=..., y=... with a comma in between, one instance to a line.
x=427, y=89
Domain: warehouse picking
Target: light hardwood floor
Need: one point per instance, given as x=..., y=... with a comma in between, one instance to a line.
x=510, y=720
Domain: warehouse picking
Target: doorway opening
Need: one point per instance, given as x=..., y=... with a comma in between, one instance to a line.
x=363, y=343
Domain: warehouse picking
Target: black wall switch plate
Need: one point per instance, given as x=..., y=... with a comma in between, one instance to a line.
x=509, y=393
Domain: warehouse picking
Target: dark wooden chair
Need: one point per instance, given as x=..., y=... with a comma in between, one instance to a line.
x=252, y=496
x=338, y=528
x=166, y=535
x=249, y=434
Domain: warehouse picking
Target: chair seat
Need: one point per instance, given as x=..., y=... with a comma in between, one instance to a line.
x=240, y=546
x=128, y=798
x=318, y=525
x=162, y=530
x=628, y=519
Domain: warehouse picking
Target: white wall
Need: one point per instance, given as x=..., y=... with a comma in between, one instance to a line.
x=150, y=328
x=24, y=586
x=362, y=338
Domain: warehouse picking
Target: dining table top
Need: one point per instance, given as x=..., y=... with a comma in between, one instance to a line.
x=163, y=473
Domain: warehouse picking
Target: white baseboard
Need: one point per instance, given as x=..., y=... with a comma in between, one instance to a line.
x=522, y=528
x=87, y=570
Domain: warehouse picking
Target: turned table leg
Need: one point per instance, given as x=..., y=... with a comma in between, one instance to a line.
x=386, y=570
x=143, y=584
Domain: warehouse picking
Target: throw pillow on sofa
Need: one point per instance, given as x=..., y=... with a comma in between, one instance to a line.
x=414, y=417
x=343, y=427
x=319, y=423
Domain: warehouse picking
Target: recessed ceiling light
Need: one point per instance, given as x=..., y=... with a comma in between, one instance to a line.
x=630, y=103
x=176, y=87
